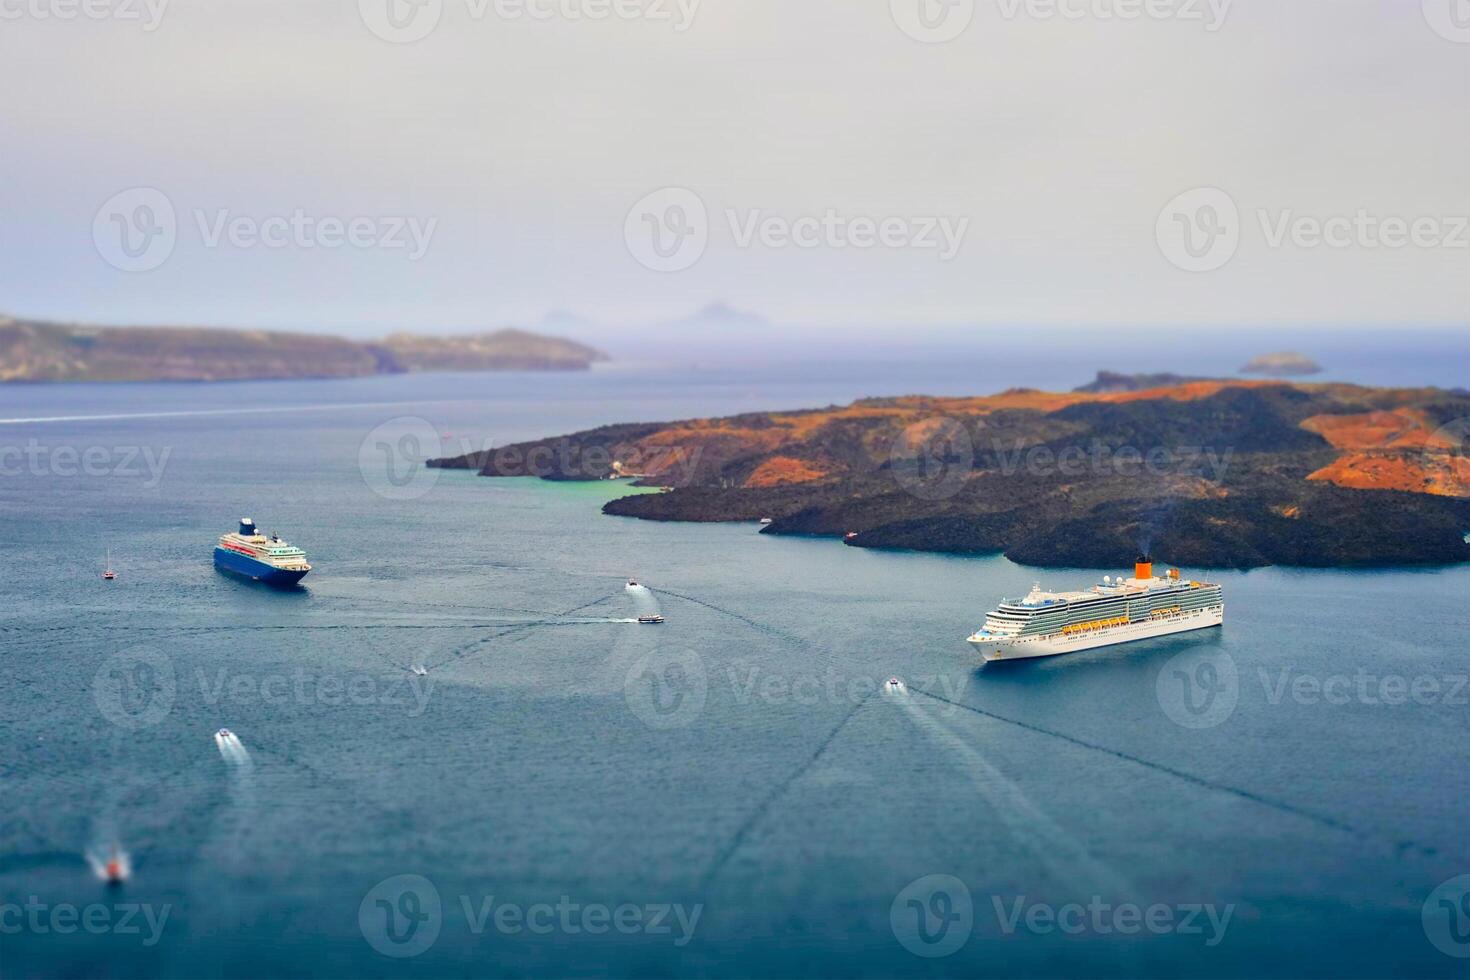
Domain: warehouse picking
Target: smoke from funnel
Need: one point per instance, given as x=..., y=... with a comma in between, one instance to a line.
x=1151, y=521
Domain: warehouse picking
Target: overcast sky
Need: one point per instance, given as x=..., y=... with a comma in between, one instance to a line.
x=508, y=156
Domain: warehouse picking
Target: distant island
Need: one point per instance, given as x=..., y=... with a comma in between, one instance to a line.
x=1283, y=364
x=1280, y=365
x=1202, y=473
x=38, y=350
x=1108, y=382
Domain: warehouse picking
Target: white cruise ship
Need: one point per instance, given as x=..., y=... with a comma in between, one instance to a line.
x=1116, y=610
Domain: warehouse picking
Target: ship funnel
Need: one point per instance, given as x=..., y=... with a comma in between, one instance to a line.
x=247, y=527
x=1143, y=567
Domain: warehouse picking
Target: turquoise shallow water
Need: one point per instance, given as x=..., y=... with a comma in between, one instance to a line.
x=742, y=760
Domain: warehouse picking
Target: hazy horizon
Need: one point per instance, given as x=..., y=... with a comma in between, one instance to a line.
x=576, y=326
x=825, y=167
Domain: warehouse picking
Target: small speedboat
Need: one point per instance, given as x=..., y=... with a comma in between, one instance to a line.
x=115, y=871
x=768, y=520
x=650, y=620
x=849, y=536
x=420, y=670
x=224, y=734
x=107, y=573
x=894, y=684
x=632, y=583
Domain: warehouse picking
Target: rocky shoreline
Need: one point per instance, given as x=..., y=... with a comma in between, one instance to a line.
x=1226, y=474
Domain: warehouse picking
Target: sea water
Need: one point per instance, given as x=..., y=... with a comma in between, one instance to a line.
x=734, y=792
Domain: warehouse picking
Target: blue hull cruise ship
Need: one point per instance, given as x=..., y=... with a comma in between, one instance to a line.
x=250, y=554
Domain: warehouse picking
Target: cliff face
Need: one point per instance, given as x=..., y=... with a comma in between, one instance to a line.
x=1208, y=473
x=33, y=350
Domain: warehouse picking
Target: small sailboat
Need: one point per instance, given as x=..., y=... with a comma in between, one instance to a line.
x=107, y=573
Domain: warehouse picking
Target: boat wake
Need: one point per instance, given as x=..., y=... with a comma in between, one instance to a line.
x=111, y=864
x=231, y=749
x=519, y=631
x=1189, y=777
x=1064, y=857
x=643, y=600
x=237, y=830
x=763, y=807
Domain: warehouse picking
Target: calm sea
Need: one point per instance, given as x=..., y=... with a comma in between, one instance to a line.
x=733, y=793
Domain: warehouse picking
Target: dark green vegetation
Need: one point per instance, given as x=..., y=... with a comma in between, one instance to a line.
x=1107, y=382
x=1224, y=474
x=34, y=350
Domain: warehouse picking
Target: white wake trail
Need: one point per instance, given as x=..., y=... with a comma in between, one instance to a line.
x=1064, y=856
x=232, y=750
x=99, y=856
x=237, y=824
x=643, y=600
